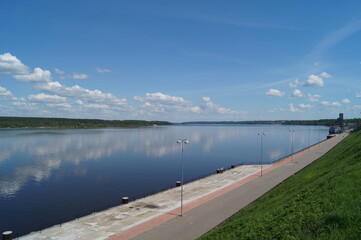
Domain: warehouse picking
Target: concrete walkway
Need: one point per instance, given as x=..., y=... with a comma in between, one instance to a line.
x=207, y=203
x=125, y=221
x=207, y=216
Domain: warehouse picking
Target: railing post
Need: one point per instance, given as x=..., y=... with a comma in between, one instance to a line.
x=8, y=235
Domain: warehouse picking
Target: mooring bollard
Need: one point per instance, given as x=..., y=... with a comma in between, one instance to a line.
x=8, y=235
x=125, y=200
x=178, y=183
x=220, y=170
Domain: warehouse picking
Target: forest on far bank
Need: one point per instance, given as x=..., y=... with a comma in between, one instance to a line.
x=39, y=122
x=35, y=122
x=321, y=122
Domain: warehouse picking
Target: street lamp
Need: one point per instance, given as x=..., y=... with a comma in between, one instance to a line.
x=182, y=142
x=292, y=131
x=261, y=134
x=309, y=139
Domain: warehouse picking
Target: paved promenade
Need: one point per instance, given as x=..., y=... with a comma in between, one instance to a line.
x=207, y=203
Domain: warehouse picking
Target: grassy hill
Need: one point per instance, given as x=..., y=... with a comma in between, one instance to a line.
x=323, y=201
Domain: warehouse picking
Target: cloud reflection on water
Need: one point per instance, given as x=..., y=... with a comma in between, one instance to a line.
x=34, y=155
x=45, y=151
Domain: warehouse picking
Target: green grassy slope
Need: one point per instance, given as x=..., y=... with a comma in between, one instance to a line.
x=323, y=201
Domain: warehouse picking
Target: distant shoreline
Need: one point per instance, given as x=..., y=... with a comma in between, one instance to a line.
x=321, y=122
x=42, y=122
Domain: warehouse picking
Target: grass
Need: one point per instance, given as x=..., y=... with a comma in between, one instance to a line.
x=323, y=201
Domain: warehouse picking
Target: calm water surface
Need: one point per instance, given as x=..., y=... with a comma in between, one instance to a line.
x=51, y=176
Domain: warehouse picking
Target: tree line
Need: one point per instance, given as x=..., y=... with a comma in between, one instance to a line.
x=37, y=122
x=321, y=122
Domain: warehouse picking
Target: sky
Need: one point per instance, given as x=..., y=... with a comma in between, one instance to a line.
x=191, y=60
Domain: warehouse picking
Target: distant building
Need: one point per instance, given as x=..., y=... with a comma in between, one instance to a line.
x=340, y=121
x=339, y=125
x=334, y=130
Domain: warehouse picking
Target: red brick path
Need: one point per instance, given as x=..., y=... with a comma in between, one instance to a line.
x=134, y=231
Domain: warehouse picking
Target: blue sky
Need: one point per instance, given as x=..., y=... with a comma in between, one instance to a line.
x=180, y=60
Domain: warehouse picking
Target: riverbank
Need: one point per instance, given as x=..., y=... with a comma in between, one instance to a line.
x=320, y=202
x=142, y=214
x=126, y=221
x=209, y=215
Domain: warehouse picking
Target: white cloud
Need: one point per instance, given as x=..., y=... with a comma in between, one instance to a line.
x=41, y=97
x=305, y=106
x=79, y=102
x=297, y=94
x=275, y=93
x=154, y=108
x=325, y=75
x=196, y=109
x=60, y=73
x=314, y=81
x=160, y=97
x=5, y=94
x=79, y=76
x=54, y=94
x=80, y=93
x=345, y=100
x=330, y=104
x=299, y=108
x=313, y=97
x=59, y=105
x=274, y=110
x=9, y=64
x=97, y=106
x=208, y=105
x=38, y=75
x=102, y=70
x=296, y=83
x=165, y=104
x=292, y=108
x=358, y=95
x=24, y=105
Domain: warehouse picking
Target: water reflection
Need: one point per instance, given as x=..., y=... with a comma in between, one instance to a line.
x=276, y=154
x=34, y=155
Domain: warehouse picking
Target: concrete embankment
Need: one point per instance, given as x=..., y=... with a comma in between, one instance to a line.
x=207, y=203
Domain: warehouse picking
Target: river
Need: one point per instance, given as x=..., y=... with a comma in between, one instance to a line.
x=50, y=176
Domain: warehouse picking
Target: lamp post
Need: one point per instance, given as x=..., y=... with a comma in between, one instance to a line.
x=182, y=142
x=319, y=130
x=309, y=139
x=261, y=134
x=292, y=131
